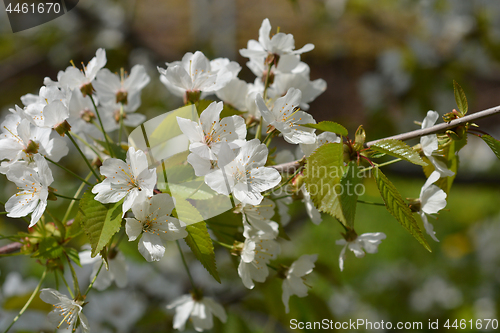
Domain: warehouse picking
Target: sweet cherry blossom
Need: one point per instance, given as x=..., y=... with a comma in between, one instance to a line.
x=193, y=75
x=127, y=180
x=279, y=44
x=121, y=89
x=117, y=269
x=152, y=220
x=244, y=175
x=368, y=241
x=429, y=145
x=293, y=284
x=34, y=190
x=206, y=135
x=26, y=140
x=200, y=311
x=67, y=312
x=432, y=200
x=256, y=253
x=75, y=78
x=287, y=118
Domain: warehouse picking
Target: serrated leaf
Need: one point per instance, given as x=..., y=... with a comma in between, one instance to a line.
x=398, y=149
x=73, y=255
x=198, y=238
x=323, y=171
x=99, y=221
x=348, y=197
x=493, y=143
x=460, y=98
x=328, y=126
x=397, y=207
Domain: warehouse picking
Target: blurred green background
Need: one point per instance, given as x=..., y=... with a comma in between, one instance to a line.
x=386, y=64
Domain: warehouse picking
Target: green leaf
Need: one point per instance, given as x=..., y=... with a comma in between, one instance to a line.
x=493, y=143
x=48, y=248
x=323, y=171
x=348, y=197
x=328, y=126
x=398, y=149
x=397, y=207
x=99, y=221
x=460, y=98
x=73, y=255
x=198, y=238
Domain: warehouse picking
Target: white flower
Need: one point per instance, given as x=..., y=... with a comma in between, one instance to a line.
x=259, y=218
x=207, y=135
x=36, y=105
x=234, y=94
x=432, y=200
x=67, y=313
x=111, y=113
x=125, y=90
x=310, y=89
x=26, y=140
x=194, y=74
x=117, y=269
x=279, y=44
x=201, y=312
x=220, y=64
x=294, y=284
x=81, y=115
x=287, y=119
x=311, y=210
x=287, y=63
x=244, y=175
x=34, y=190
x=429, y=144
x=256, y=253
x=325, y=137
x=152, y=220
x=368, y=241
x=125, y=180
x=74, y=78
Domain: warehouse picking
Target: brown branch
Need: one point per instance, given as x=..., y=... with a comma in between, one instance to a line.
x=9, y=248
x=441, y=128
x=290, y=167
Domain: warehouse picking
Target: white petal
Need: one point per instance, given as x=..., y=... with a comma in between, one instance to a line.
x=151, y=247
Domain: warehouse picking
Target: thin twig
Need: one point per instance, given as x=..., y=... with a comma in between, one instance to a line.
x=439, y=128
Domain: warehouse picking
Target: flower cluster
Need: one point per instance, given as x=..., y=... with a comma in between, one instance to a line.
x=226, y=155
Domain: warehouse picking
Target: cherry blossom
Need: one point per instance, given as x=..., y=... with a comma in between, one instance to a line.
x=67, y=312
x=127, y=180
x=152, y=220
x=244, y=175
x=293, y=284
x=199, y=310
x=368, y=241
x=34, y=190
x=286, y=117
